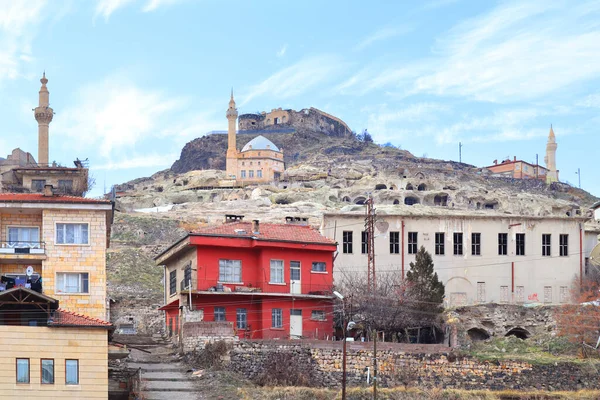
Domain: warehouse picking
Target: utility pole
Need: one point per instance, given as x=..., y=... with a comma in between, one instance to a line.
x=344, y=328
x=370, y=229
x=375, y=365
x=537, y=166
x=579, y=177
x=459, y=152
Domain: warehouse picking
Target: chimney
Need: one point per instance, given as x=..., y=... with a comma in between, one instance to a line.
x=495, y=162
x=48, y=191
x=255, y=226
x=515, y=158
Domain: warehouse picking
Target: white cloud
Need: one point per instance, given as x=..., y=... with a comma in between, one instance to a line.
x=382, y=34
x=112, y=116
x=19, y=21
x=282, y=51
x=295, y=79
x=152, y=5
x=591, y=101
x=106, y=8
x=146, y=161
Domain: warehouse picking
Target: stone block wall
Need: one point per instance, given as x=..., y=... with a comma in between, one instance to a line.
x=195, y=335
x=424, y=365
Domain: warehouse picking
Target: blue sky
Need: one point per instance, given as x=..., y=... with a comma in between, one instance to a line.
x=131, y=81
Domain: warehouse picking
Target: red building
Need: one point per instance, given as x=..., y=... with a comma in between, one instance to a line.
x=269, y=280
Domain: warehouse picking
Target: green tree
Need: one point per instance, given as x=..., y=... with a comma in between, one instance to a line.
x=424, y=287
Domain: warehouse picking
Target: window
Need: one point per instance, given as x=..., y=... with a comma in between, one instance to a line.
x=476, y=244
x=547, y=294
x=22, y=370
x=65, y=185
x=295, y=270
x=502, y=244
x=72, y=282
x=563, y=245
x=220, y=314
x=259, y=173
x=546, y=241
x=230, y=270
x=394, y=242
x=23, y=236
x=72, y=372
x=503, y=294
x=72, y=234
x=481, y=292
x=251, y=173
x=458, y=243
x=520, y=294
x=187, y=276
x=319, y=266
x=243, y=163
x=317, y=315
x=564, y=294
x=37, y=185
x=520, y=243
x=47, y=366
x=347, y=242
x=241, y=318
x=439, y=243
x=276, y=271
x=172, y=282
x=364, y=242
x=276, y=318
x=412, y=242
x=243, y=174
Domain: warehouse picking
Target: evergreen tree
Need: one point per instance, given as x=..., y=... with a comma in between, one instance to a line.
x=424, y=287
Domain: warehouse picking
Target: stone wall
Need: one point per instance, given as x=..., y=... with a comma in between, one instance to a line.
x=308, y=118
x=195, y=335
x=424, y=365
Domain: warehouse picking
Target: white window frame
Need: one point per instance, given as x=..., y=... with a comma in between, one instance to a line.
x=276, y=274
x=276, y=318
x=80, y=282
x=318, y=315
x=38, y=242
x=232, y=275
x=71, y=244
x=222, y=315
x=72, y=382
x=316, y=271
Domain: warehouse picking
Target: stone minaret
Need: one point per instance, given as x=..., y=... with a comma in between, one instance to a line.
x=550, y=159
x=43, y=115
x=232, y=114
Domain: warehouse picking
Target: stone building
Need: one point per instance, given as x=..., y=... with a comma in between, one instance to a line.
x=20, y=172
x=259, y=161
x=309, y=118
x=480, y=256
x=520, y=169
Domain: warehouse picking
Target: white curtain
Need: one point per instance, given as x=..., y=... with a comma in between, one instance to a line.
x=72, y=372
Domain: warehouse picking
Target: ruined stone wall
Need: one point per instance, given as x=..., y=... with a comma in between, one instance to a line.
x=196, y=335
x=424, y=365
x=310, y=118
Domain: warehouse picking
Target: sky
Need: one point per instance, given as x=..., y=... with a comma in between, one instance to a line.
x=132, y=81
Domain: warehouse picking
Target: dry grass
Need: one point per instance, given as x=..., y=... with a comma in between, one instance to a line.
x=303, y=393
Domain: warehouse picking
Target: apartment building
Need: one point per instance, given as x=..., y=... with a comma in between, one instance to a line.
x=480, y=256
x=269, y=280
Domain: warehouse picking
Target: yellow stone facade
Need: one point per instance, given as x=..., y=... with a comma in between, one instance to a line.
x=87, y=345
x=69, y=258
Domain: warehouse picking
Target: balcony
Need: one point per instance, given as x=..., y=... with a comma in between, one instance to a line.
x=29, y=250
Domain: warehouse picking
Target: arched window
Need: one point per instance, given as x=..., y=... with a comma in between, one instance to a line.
x=409, y=201
x=409, y=187
x=422, y=187
x=380, y=186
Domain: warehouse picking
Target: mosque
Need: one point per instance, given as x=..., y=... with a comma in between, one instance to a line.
x=259, y=161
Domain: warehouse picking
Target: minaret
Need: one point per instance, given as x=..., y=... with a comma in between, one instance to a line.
x=550, y=159
x=43, y=115
x=232, y=114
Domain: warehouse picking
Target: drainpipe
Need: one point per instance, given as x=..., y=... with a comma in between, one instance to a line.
x=580, y=256
x=402, y=251
x=513, y=281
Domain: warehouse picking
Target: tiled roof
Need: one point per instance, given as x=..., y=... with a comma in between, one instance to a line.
x=40, y=198
x=277, y=232
x=70, y=318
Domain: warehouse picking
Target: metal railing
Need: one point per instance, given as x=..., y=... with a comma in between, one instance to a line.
x=23, y=247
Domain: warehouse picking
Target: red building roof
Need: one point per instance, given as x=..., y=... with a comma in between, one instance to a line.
x=40, y=198
x=270, y=232
x=72, y=319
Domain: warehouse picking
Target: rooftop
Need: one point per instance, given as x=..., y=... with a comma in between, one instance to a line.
x=64, y=318
x=270, y=232
x=260, y=143
x=40, y=198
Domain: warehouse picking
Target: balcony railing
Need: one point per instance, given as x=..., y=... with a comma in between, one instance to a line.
x=24, y=247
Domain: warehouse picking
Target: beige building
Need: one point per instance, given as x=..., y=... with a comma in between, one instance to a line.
x=62, y=240
x=50, y=353
x=480, y=256
x=259, y=161
x=20, y=172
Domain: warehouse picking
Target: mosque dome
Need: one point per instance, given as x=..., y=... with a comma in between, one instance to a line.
x=260, y=143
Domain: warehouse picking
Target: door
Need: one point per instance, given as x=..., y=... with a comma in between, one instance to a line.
x=295, y=324
x=295, y=284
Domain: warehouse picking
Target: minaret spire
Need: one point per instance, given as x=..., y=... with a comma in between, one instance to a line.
x=43, y=115
x=550, y=159
x=231, y=114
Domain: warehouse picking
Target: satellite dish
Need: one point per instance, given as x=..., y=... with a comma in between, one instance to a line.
x=595, y=256
x=29, y=270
